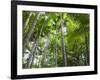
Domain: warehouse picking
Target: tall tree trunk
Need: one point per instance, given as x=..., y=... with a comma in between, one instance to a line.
x=36, y=40
x=25, y=25
x=87, y=52
x=87, y=59
x=45, y=51
x=55, y=49
x=62, y=43
x=55, y=54
x=27, y=20
x=26, y=40
x=33, y=56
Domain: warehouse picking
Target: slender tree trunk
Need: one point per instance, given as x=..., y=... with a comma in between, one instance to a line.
x=27, y=20
x=55, y=54
x=55, y=48
x=87, y=61
x=45, y=51
x=36, y=40
x=26, y=40
x=33, y=56
x=87, y=51
x=25, y=25
x=62, y=42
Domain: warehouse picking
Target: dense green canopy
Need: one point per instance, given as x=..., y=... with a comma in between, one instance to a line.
x=55, y=39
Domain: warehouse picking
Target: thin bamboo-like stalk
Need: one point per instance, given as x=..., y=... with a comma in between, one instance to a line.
x=36, y=41
x=62, y=42
x=26, y=40
x=27, y=20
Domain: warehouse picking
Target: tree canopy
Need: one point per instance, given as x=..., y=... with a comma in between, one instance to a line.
x=55, y=39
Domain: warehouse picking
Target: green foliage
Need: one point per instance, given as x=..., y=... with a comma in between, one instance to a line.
x=54, y=30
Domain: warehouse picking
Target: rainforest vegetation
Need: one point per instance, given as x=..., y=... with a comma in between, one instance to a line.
x=55, y=39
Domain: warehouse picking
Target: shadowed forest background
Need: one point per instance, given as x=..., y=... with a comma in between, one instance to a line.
x=55, y=39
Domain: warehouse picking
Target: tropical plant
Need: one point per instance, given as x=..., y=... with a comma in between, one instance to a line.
x=55, y=39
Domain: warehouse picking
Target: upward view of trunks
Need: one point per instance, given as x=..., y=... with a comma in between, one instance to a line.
x=55, y=39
